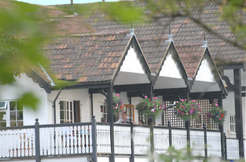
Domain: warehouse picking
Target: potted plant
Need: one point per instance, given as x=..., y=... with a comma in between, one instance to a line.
x=217, y=114
x=187, y=109
x=150, y=107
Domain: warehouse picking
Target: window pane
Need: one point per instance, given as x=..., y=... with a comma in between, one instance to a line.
x=13, y=123
x=62, y=106
x=62, y=115
x=20, y=123
x=2, y=124
x=2, y=115
x=19, y=106
x=12, y=105
x=3, y=105
x=20, y=115
x=13, y=115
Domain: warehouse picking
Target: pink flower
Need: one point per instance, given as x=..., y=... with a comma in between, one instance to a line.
x=191, y=111
x=117, y=94
x=152, y=110
x=145, y=97
x=216, y=104
x=182, y=100
x=155, y=98
x=193, y=100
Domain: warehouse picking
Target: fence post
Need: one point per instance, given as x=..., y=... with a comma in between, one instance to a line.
x=225, y=146
x=152, y=147
x=205, y=141
x=222, y=141
x=37, y=142
x=187, y=126
x=132, y=158
x=94, y=139
x=170, y=133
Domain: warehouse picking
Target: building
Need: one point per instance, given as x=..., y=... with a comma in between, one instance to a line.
x=148, y=60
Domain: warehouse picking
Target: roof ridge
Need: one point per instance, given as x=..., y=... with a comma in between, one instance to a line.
x=101, y=33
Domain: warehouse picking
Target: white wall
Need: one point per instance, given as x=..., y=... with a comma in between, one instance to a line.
x=26, y=84
x=70, y=95
x=229, y=104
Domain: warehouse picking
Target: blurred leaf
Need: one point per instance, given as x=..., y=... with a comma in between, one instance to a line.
x=29, y=100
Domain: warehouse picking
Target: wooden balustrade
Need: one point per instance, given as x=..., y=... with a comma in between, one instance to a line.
x=77, y=139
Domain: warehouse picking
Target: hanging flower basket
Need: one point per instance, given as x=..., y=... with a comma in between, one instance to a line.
x=217, y=113
x=187, y=110
x=150, y=107
x=117, y=103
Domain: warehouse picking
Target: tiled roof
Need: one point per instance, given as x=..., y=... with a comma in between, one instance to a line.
x=87, y=58
x=188, y=39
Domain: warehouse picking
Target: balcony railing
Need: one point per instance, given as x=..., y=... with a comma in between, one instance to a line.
x=40, y=141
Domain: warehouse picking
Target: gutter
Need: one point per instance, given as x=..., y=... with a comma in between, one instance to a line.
x=54, y=104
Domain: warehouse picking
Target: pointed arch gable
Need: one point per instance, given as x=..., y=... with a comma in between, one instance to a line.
x=133, y=67
x=171, y=73
x=207, y=77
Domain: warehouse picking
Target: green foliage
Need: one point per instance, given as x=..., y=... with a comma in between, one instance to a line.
x=29, y=100
x=122, y=12
x=23, y=32
x=187, y=109
x=149, y=106
x=217, y=113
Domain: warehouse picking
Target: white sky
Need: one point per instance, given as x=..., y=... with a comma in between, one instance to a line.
x=58, y=2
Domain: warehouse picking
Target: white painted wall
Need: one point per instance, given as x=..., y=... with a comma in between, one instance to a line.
x=70, y=95
x=132, y=63
x=26, y=84
x=170, y=68
x=131, y=70
x=205, y=79
x=205, y=72
x=229, y=104
x=170, y=75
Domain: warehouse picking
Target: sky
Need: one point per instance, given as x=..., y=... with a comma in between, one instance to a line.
x=59, y=2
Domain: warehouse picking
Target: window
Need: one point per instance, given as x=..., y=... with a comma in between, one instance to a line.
x=11, y=114
x=69, y=111
x=232, y=124
x=3, y=105
x=16, y=114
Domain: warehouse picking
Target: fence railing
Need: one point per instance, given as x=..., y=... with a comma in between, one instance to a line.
x=93, y=139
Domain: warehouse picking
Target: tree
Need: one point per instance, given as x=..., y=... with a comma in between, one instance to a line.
x=23, y=32
x=232, y=12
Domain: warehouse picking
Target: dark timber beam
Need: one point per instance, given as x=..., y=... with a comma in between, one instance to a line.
x=238, y=110
x=111, y=121
x=92, y=108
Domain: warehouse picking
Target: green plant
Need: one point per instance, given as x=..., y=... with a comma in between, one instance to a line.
x=187, y=109
x=117, y=103
x=217, y=113
x=150, y=106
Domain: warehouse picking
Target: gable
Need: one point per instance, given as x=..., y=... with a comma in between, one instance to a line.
x=170, y=75
x=205, y=79
x=131, y=70
x=205, y=72
x=132, y=63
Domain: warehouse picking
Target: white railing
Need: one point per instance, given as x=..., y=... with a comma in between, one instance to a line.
x=76, y=139
x=141, y=140
x=17, y=143
x=65, y=140
x=161, y=140
x=232, y=148
x=214, y=144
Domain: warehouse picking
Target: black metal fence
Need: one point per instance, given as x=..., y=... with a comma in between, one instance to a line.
x=93, y=139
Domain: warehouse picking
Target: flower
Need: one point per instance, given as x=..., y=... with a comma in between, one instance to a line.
x=145, y=97
x=117, y=94
x=186, y=109
x=216, y=113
